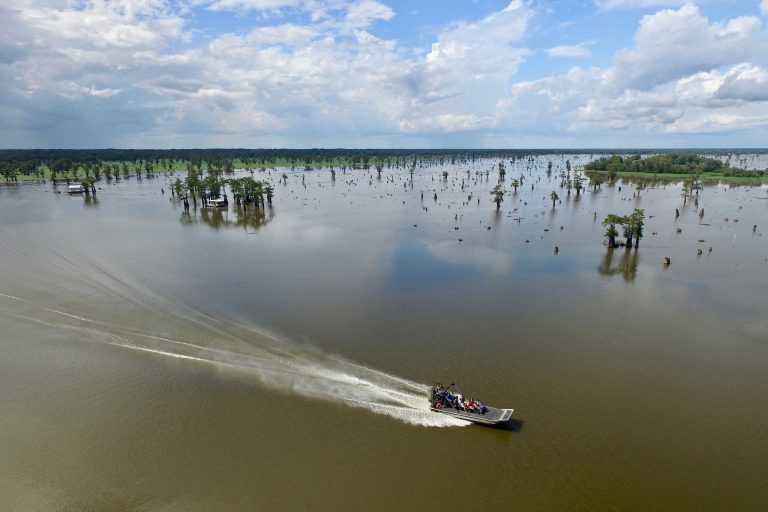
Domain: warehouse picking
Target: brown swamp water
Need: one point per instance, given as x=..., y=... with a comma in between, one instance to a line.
x=151, y=360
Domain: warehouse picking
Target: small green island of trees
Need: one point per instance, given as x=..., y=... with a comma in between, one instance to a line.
x=676, y=164
x=632, y=225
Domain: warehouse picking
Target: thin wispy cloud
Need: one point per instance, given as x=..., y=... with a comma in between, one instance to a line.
x=637, y=4
x=572, y=50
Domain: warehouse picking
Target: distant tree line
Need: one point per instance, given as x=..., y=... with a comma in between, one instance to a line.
x=262, y=155
x=68, y=164
x=316, y=154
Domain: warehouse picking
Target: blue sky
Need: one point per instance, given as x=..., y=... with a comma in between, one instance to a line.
x=378, y=73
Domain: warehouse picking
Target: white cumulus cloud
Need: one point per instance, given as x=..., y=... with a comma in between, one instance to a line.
x=685, y=75
x=674, y=43
x=362, y=14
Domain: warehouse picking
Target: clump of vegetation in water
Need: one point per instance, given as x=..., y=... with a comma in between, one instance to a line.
x=632, y=228
x=247, y=190
x=498, y=196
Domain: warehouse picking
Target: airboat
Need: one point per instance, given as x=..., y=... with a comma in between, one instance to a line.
x=453, y=403
x=218, y=202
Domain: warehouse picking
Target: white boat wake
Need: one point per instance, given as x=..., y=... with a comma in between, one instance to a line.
x=275, y=363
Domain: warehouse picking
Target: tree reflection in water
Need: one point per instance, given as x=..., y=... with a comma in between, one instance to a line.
x=626, y=264
x=223, y=218
x=90, y=201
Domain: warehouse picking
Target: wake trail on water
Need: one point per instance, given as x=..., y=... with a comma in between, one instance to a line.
x=273, y=362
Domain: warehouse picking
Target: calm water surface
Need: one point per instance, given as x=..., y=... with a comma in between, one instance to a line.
x=278, y=360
